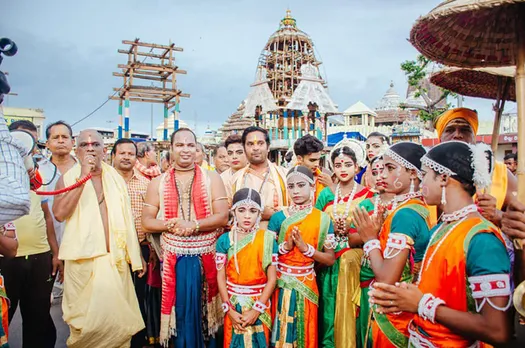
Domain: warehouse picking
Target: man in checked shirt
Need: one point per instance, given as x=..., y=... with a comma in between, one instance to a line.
x=124, y=158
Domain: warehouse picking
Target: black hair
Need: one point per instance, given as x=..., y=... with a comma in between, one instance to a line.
x=301, y=169
x=375, y=159
x=288, y=156
x=23, y=124
x=123, y=141
x=411, y=152
x=58, y=123
x=233, y=139
x=381, y=136
x=182, y=130
x=513, y=156
x=345, y=150
x=456, y=156
x=252, y=129
x=243, y=194
x=307, y=144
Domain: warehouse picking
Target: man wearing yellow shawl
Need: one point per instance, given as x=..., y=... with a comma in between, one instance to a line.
x=308, y=150
x=99, y=304
x=461, y=124
x=261, y=175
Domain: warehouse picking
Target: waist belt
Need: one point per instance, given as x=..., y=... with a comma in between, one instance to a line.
x=193, y=245
x=244, y=290
x=295, y=271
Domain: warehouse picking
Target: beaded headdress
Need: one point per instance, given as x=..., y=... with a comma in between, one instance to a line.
x=301, y=171
x=355, y=145
x=408, y=155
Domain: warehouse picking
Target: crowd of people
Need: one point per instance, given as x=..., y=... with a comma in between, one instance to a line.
x=367, y=245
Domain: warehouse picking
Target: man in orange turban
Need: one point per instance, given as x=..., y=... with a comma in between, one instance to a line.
x=461, y=124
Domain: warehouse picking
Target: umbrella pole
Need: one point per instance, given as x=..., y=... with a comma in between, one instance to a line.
x=503, y=89
x=520, y=100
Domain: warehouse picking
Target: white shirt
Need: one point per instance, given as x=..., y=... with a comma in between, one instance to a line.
x=14, y=181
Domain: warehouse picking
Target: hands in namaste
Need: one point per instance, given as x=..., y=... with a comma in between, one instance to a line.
x=295, y=238
x=367, y=226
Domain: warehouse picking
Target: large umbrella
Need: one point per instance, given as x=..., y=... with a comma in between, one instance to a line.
x=479, y=33
x=488, y=83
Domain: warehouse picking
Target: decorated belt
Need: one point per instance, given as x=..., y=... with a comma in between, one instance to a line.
x=192, y=245
x=295, y=271
x=244, y=290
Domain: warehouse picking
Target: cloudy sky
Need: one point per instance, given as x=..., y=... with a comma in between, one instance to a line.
x=68, y=51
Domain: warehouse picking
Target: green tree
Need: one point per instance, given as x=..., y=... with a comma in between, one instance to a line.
x=417, y=74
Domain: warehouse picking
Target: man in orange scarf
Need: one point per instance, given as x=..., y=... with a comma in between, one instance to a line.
x=461, y=124
x=308, y=152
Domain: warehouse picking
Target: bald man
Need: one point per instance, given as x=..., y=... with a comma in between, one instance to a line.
x=461, y=124
x=99, y=304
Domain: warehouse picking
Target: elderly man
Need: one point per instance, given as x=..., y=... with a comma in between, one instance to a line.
x=187, y=204
x=147, y=161
x=99, y=305
x=461, y=124
x=220, y=159
x=261, y=175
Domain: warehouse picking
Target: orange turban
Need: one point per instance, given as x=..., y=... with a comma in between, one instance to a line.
x=468, y=115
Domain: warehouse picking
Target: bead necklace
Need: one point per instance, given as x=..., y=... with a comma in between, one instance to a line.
x=339, y=199
x=294, y=209
x=459, y=216
x=402, y=198
x=183, y=196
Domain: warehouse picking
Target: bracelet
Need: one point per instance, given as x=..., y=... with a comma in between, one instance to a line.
x=282, y=249
x=259, y=306
x=427, y=307
x=197, y=226
x=371, y=245
x=225, y=307
x=310, y=251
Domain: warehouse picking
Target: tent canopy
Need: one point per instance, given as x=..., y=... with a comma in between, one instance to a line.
x=337, y=137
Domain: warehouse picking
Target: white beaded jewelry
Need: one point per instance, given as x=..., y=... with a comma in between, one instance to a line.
x=259, y=306
x=371, y=245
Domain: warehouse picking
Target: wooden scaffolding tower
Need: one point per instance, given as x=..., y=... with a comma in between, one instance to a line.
x=153, y=63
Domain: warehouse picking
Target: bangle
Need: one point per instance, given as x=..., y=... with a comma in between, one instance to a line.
x=310, y=251
x=197, y=226
x=427, y=307
x=282, y=249
x=371, y=245
x=259, y=306
x=225, y=307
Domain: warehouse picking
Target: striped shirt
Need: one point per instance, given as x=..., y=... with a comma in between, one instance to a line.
x=14, y=181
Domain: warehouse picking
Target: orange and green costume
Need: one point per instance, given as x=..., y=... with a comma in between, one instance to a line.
x=297, y=296
x=460, y=262
x=255, y=253
x=409, y=220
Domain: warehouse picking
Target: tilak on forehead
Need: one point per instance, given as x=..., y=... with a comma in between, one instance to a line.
x=457, y=116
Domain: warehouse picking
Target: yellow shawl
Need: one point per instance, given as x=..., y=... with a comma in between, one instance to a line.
x=84, y=232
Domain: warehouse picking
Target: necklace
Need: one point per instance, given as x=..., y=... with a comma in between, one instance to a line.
x=403, y=198
x=179, y=169
x=184, y=195
x=339, y=199
x=294, y=209
x=264, y=180
x=459, y=214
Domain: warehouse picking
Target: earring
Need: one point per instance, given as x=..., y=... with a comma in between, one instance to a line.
x=443, y=196
x=412, y=185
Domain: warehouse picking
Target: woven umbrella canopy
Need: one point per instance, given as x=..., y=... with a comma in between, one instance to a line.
x=479, y=33
x=488, y=83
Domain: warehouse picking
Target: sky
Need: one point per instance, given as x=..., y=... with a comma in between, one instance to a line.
x=68, y=52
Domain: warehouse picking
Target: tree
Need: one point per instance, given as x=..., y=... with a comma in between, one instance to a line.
x=417, y=74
